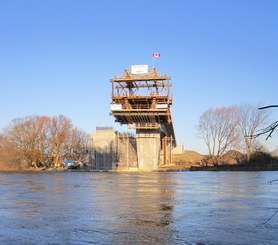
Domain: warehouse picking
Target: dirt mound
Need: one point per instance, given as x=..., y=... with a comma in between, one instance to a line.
x=188, y=157
x=232, y=157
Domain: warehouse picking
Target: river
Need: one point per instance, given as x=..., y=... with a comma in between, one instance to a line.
x=138, y=208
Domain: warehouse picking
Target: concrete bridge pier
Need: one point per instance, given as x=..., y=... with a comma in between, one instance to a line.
x=148, y=149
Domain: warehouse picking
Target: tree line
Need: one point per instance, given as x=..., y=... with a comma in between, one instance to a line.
x=41, y=142
x=45, y=142
x=231, y=127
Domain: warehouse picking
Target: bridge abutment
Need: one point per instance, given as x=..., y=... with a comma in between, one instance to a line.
x=148, y=149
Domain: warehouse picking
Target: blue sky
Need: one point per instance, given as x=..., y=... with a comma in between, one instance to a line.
x=56, y=57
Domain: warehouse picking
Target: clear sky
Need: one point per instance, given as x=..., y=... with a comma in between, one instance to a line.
x=57, y=56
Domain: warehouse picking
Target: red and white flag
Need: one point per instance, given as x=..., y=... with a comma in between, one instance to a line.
x=156, y=55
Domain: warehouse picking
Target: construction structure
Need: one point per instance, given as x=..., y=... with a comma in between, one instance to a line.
x=113, y=150
x=141, y=99
x=104, y=145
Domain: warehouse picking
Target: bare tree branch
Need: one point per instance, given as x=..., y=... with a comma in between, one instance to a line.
x=270, y=218
x=266, y=107
x=268, y=130
x=270, y=182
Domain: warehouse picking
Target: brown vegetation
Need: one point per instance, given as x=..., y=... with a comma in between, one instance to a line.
x=40, y=142
x=231, y=160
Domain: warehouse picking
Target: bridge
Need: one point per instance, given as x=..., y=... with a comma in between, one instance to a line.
x=141, y=99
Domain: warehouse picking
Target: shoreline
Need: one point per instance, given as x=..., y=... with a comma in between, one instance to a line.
x=219, y=168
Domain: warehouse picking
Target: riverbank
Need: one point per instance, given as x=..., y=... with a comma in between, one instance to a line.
x=250, y=167
x=172, y=168
x=188, y=161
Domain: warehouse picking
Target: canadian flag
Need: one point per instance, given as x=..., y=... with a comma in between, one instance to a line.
x=156, y=55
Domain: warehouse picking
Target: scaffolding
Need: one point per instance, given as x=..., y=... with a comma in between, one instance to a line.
x=143, y=101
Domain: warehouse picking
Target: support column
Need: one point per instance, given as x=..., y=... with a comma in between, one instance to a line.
x=148, y=149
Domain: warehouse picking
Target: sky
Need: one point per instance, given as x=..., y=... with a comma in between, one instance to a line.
x=57, y=57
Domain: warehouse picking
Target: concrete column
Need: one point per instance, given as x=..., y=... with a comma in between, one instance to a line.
x=148, y=149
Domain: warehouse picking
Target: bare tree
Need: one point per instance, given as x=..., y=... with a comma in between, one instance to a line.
x=61, y=127
x=79, y=143
x=41, y=141
x=218, y=128
x=10, y=156
x=249, y=120
x=27, y=135
x=43, y=146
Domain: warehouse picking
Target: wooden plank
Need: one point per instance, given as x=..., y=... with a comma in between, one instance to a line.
x=145, y=86
x=146, y=78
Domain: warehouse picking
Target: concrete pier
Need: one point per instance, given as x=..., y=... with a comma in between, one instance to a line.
x=104, y=144
x=113, y=150
x=148, y=149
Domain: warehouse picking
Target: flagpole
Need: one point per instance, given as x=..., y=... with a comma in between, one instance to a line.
x=153, y=62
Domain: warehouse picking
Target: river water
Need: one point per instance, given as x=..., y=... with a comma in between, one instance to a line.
x=138, y=208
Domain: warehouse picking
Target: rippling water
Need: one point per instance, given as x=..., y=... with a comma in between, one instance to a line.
x=138, y=208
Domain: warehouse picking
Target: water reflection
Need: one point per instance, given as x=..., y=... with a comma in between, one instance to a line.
x=137, y=208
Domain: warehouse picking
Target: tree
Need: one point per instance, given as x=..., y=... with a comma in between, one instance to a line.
x=249, y=120
x=28, y=135
x=61, y=128
x=79, y=143
x=218, y=128
x=10, y=156
x=41, y=141
x=42, y=145
x=65, y=140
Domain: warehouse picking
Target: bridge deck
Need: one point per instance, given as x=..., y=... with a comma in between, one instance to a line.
x=147, y=118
